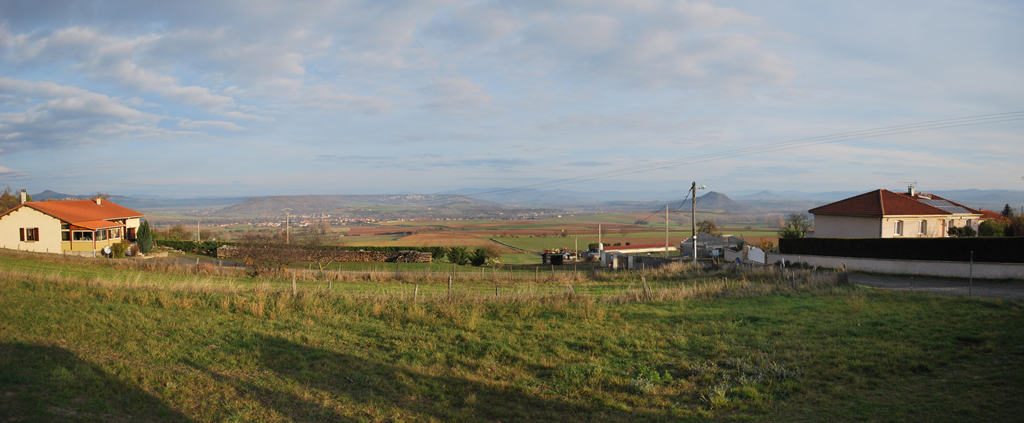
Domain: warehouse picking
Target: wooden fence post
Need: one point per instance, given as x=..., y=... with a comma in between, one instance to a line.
x=449, y=287
x=294, y=289
x=416, y=293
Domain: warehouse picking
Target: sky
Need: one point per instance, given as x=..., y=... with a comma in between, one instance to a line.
x=246, y=98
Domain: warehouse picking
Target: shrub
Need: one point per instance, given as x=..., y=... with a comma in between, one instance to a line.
x=119, y=249
x=458, y=255
x=991, y=228
x=1016, y=228
x=965, y=231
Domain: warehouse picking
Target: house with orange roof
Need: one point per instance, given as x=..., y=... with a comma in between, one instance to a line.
x=81, y=227
x=886, y=214
x=991, y=215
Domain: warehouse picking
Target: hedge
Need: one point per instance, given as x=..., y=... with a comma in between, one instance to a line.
x=210, y=247
x=205, y=247
x=986, y=249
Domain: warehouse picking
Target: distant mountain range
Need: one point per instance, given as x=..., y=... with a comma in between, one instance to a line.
x=464, y=202
x=143, y=204
x=354, y=204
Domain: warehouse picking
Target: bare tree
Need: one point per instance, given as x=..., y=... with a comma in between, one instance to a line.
x=317, y=250
x=263, y=254
x=795, y=226
x=708, y=226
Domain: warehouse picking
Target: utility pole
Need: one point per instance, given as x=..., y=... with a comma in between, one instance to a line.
x=199, y=236
x=666, y=232
x=693, y=218
x=287, y=222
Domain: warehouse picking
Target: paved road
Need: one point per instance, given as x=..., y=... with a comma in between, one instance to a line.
x=1001, y=290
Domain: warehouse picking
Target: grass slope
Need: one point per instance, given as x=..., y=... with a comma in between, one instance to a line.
x=90, y=349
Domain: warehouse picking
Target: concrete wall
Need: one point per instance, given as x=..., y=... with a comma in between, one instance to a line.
x=910, y=267
x=25, y=217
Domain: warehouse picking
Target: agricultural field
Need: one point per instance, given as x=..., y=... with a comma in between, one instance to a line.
x=540, y=235
x=122, y=340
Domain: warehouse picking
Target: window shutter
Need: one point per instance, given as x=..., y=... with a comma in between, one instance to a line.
x=22, y=230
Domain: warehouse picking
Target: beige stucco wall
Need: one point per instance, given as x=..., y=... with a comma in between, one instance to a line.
x=937, y=225
x=134, y=222
x=827, y=226
x=25, y=217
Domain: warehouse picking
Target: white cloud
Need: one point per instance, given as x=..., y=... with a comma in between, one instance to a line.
x=455, y=95
x=195, y=124
x=114, y=60
x=51, y=116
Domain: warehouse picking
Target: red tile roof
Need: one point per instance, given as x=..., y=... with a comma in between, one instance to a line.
x=82, y=211
x=991, y=215
x=883, y=202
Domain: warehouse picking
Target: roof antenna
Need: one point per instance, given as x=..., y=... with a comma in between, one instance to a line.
x=910, y=187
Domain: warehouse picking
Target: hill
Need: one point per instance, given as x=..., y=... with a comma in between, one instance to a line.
x=718, y=201
x=377, y=206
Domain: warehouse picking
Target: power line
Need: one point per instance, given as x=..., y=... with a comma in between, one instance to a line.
x=768, y=148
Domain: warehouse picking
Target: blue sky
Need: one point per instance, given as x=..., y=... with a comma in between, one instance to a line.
x=188, y=98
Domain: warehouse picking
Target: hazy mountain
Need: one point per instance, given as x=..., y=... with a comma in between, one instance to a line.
x=718, y=201
x=144, y=204
x=335, y=204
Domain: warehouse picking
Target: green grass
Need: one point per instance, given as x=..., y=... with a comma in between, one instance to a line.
x=83, y=347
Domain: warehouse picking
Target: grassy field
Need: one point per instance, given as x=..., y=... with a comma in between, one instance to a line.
x=81, y=344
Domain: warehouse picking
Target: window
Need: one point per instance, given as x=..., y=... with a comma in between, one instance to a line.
x=899, y=227
x=65, y=232
x=29, y=234
x=115, y=233
x=924, y=227
x=101, y=235
x=83, y=235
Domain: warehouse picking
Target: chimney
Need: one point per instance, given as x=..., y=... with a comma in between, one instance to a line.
x=99, y=201
x=24, y=197
x=910, y=190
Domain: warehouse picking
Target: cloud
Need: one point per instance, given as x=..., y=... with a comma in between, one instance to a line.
x=52, y=116
x=8, y=173
x=455, y=95
x=588, y=163
x=196, y=124
x=356, y=159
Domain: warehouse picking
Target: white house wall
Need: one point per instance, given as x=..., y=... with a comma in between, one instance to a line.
x=26, y=217
x=828, y=226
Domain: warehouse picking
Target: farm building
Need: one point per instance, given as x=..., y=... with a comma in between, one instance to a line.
x=81, y=227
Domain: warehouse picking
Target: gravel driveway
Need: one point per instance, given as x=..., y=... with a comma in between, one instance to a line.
x=1001, y=290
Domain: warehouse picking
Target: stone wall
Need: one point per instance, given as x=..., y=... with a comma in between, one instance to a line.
x=300, y=255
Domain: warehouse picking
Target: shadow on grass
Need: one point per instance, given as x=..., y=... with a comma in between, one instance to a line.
x=47, y=384
x=325, y=385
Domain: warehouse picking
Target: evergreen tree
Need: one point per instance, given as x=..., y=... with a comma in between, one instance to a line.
x=1008, y=212
x=145, y=237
